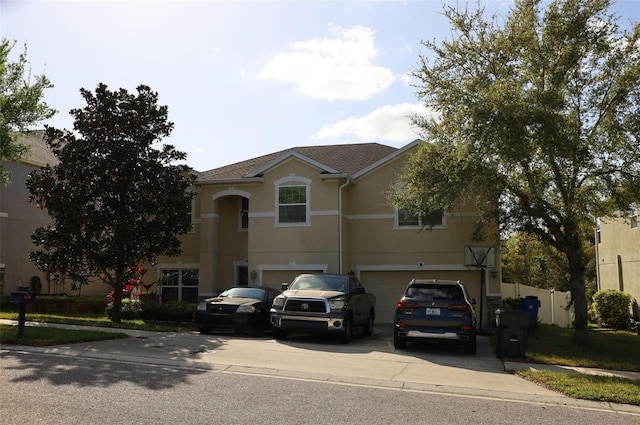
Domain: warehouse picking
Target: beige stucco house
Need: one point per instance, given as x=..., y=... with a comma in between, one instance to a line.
x=319, y=209
x=18, y=218
x=618, y=256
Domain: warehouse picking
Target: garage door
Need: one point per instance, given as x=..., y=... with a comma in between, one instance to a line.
x=389, y=287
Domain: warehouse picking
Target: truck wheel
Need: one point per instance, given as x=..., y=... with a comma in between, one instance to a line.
x=278, y=334
x=368, y=328
x=345, y=337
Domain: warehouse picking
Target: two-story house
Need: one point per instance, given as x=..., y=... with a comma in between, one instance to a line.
x=19, y=218
x=618, y=256
x=319, y=209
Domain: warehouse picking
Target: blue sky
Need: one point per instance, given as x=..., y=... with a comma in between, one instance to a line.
x=244, y=78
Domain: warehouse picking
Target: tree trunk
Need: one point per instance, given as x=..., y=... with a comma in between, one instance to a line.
x=578, y=293
x=116, y=313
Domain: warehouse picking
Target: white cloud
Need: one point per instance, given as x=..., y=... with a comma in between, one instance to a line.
x=389, y=123
x=339, y=68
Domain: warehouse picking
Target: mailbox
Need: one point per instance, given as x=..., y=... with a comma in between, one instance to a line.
x=21, y=298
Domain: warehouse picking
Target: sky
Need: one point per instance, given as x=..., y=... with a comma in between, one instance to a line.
x=245, y=78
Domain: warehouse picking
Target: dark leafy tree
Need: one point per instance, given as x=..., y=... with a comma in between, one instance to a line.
x=527, y=260
x=538, y=110
x=21, y=104
x=116, y=200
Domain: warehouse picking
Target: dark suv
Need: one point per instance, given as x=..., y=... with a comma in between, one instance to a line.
x=436, y=310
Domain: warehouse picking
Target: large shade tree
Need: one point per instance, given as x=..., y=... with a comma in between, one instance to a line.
x=116, y=198
x=538, y=110
x=21, y=104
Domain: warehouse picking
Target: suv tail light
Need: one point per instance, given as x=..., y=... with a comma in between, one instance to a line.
x=459, y=307
x=407, y=304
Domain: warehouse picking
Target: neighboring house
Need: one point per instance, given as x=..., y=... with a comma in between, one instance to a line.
x=19, y=218
x=618, y=256
x=319, y=209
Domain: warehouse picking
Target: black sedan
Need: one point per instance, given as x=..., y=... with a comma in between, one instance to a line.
x=240, y=308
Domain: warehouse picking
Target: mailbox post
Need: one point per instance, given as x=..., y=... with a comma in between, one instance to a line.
x=21, y=298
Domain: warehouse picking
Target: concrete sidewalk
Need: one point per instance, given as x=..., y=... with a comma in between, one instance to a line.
x=366, y=361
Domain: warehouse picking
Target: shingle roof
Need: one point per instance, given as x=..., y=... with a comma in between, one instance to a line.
x=347, y=159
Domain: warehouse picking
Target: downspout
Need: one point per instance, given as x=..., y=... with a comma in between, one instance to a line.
x=347, y=182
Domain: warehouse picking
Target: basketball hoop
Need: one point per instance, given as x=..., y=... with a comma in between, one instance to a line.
x=479, y=257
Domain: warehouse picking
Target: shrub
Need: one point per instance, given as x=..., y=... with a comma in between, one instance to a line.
x=131, y=309
x=611, y=309
x=173, y=311
x=511, y=304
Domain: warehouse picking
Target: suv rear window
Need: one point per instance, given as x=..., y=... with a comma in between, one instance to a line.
x=434, y=292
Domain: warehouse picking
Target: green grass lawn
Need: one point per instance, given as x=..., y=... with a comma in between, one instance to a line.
x=43, y=336
x=606, y=349
x=588, y=387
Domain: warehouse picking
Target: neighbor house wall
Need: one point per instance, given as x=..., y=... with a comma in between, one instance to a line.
x=618, y=257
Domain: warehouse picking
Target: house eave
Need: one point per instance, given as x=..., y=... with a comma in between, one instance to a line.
x=334, y=176
x=231, y=181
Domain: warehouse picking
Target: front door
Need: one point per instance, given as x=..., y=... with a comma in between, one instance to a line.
x=242, y=275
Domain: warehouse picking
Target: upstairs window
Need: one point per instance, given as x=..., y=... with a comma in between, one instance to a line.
x=433, y=219
x=634, y=217
x=244, y=213
x=292, y=204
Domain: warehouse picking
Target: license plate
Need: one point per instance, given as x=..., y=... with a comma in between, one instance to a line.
x=433, y=311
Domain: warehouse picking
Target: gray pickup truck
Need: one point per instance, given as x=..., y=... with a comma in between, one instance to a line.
x=323, y=303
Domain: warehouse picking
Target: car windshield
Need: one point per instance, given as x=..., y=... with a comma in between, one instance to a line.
x=320, y=282
x=434, y=292
x=255, y=293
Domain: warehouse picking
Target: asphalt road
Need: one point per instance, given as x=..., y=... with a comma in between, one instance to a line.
x=45, y=389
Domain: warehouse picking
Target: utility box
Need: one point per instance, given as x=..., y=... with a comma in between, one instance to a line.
x=512, y=332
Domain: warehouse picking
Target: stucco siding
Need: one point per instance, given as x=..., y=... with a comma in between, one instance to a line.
x=618, y=257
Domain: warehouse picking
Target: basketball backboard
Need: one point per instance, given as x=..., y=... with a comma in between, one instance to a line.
x=480, y=257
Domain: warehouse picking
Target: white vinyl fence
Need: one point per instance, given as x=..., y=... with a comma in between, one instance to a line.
x=553, y=304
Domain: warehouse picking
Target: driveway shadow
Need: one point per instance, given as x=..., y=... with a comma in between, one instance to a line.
x=84, y=372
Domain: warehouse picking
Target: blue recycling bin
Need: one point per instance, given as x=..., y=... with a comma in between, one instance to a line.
x=531, y=304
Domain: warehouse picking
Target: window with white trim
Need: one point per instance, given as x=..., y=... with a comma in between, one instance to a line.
x=244, y=213
x=179, y=285
x=634, y=217
x=406, y=219
x=292, y=205
x=191, y=215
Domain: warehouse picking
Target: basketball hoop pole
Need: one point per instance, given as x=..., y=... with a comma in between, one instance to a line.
x=482, y=284
x=480, y=262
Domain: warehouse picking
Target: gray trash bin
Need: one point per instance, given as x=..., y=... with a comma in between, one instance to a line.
x=512, y=333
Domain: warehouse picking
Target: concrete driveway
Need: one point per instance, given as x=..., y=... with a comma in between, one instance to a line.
x=365, y=361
